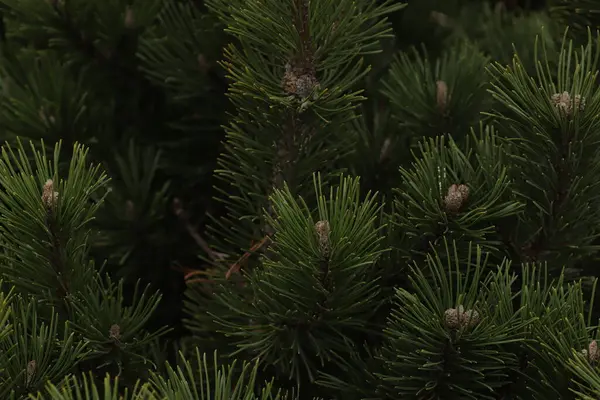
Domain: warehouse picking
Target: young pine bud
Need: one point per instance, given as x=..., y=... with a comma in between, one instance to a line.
x=456, y=198
x=441, y=19
x=30, y=373
x=442, y=96
x=385, y=150
x=202, y=63
x=129, y=210
x=49, y=196
x=592, y=353
x=298, y=81
x=47, y=118
x=129, y=21
x=566, y=105
x=323, y=230
x=451, y=318
x=457, y=318
x=114, y=333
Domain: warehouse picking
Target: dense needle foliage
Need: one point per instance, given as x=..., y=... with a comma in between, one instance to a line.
x=299, y=199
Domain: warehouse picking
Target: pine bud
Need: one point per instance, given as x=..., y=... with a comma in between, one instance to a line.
x=129, y=21
x=202, y=63
x=31, y=370
x=323, y=230
x=469, y=318
x=442, y=96
x=451, y=318
x=129, y=210
x=49, y=196
x=44, y=116
x=456, y=198
x=456, y=318
x=385, y=149
x=114, y=333
x=305, y=84
x=177, y=207
x=441, y=19
x=566, y=105
x=106, y=52
x=298, y=81
x=592, y=353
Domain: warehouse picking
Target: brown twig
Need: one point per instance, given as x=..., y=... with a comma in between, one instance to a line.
x=185, y=219
x=236, y=266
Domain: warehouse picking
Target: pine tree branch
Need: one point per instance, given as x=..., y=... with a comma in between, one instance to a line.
x=85, y=46
x=301, y=68
x=295, y=99
x=57, y=258
x=534, y=249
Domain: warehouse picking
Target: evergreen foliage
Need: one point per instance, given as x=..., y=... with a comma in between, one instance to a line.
x=299, y=199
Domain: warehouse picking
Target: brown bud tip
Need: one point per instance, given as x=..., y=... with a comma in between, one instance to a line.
x=322, y=228
x=47, y=118
x=298, y=81
x=49, y=196
x=31, y=367
x=442, y=97
x=177, y=206
x=456, y=198
x=566, y=104
x=31, y=370
x=441, y=19
x=469, y=318
x=202, y=63
x=114, y=332
x=385, y=149
x=451, y=318
x=593, y=353
x=456, y=318
x=129, y=18
x=129, y=210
